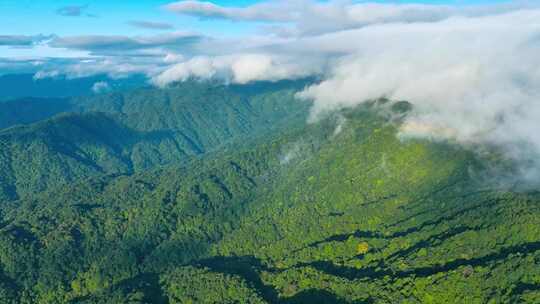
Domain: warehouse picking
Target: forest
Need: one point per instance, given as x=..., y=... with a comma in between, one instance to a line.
x=210, y=193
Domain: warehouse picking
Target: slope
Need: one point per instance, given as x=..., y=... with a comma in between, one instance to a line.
x=341, y=211
x=139, y=130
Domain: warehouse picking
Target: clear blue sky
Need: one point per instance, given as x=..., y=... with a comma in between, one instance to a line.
x=30, y=17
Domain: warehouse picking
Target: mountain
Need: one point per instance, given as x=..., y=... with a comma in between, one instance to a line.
x=122, y=133
x=338, y=211
x=17, y=86
x=30, y=110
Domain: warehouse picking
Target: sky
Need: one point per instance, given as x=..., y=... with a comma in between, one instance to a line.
x=471, y=69
x=30, y=17
x=109, y=17
x=128, y=17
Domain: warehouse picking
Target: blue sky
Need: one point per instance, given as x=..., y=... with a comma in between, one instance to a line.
x=30, y=17
x=137, y=31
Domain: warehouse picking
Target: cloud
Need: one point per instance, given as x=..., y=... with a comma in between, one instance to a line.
x=472, y=80
x=266, y=11
x=309, y=17
x=173, y=58
x=101, y=87
x=116, y=44
x=151, y=25
x=84, y=55
x=21, y=40
x=46, y=74
x=74, y=11
x=240, y=69
x=116, y=67
x=472, y=72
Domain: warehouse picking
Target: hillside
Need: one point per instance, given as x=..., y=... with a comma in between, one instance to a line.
x=270, y=152
x=131, y=132
x=340, y=211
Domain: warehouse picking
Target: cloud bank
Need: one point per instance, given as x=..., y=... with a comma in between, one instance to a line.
x=266, y=11
x=472, y=72
x=472, y=80
x=101, y=87
x=316, y=17
x=240, y=69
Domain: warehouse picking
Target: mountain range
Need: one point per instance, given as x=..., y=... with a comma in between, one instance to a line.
x=210, y=193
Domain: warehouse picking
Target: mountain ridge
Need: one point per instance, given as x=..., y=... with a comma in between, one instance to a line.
x=340, y=210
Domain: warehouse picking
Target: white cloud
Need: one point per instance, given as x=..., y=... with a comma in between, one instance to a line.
x=173, y=58
x=241, y=69
x=113, y=67
x=46, y=74
x=473, y=80
x=266, y=11
x=21, y=40
x=472, y=72
x=315, y=17
x=152, y=25
x=101, y=87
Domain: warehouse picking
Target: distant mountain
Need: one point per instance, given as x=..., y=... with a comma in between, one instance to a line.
x=15, y=86
x=339, y=211
x=134, y=131
x=30, y=110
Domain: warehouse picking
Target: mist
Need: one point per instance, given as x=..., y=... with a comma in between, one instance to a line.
x=473, y=81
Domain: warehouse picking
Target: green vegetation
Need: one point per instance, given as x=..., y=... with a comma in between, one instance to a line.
x=260, y=209
x=123, y=133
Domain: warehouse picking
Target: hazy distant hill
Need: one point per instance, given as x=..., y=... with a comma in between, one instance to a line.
x=30, y=110
x=134, y=131
x=14, y=86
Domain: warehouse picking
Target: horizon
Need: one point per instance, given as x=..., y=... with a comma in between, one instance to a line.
x=45, y=20
x=445, y=57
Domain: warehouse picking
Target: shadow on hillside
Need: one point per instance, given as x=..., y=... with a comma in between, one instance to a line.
x=367, y=234
x=381, y=270
x=316, y=296
x=248, y=268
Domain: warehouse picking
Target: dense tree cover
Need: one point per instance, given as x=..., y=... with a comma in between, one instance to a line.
x=29, y=110
x=339, y=211
x=137, y=130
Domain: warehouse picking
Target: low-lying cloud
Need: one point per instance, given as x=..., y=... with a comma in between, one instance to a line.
x=472, y=72
x=301, y=17
x=471, y=80
x=240, y=69
x=101, y=87
x=266, y=11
